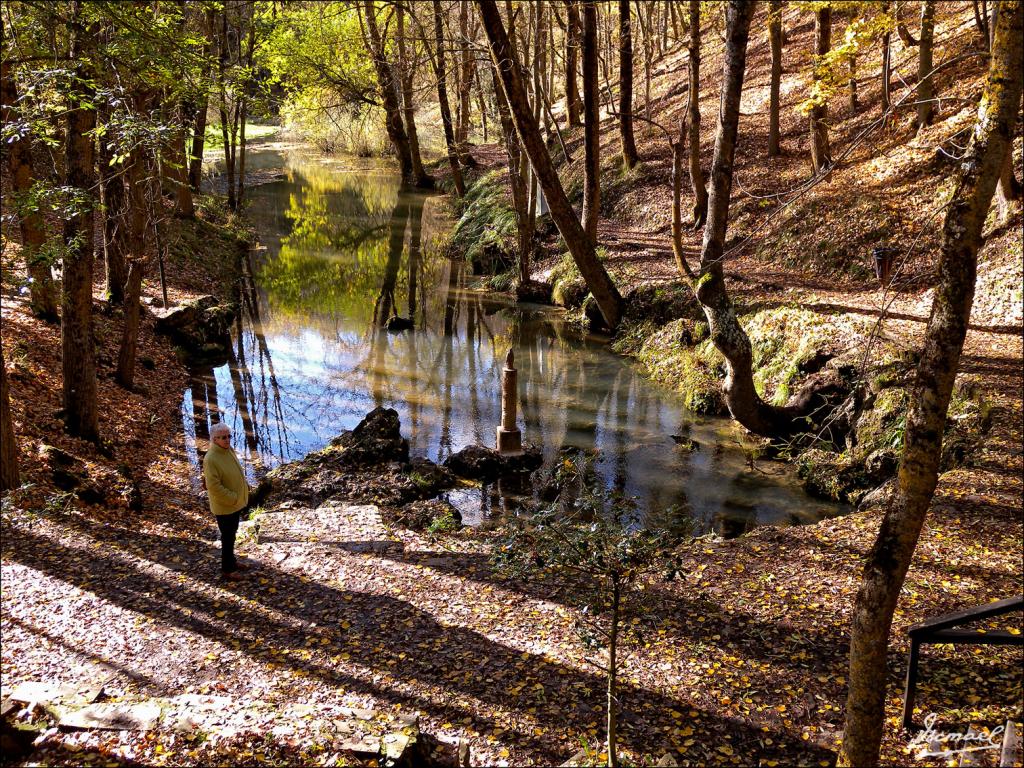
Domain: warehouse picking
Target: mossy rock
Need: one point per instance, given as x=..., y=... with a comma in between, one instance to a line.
x=569, y=292
x=661, y=303
x=881, y=426
x=832, y=475
x=696, y=372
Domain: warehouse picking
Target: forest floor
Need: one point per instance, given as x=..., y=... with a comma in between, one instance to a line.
x=745, y=660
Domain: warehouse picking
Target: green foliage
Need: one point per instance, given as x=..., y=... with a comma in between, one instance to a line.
x=214, y=137
x=503, y=281
x=487, y=220
x=568, y=288
x=595, y=538
x=316, y=52
x=445, y=523
x=867, y=25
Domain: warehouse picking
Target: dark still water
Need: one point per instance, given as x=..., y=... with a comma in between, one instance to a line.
x=343, y=249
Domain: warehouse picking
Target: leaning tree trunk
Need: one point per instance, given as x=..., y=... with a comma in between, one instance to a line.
x=572, y=48
x=775, y=41
x=8, y=446
x=78, y=349
x=442, y=100
x=700, y=190
x=728, y=336
x=591, y=123
x=925, y=88
x=889, y=559
x=515, y=160
x=821, y=155
x=42, y=291
x=580, y=246
x=629, y=156
x=389, y=94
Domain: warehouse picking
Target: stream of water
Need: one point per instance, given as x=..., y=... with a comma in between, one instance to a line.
x=342, y=249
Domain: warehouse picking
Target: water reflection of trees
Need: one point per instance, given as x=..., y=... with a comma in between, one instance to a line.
x=256, y=410
x=312, y=354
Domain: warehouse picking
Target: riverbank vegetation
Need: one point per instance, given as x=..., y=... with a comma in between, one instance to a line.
x=802, y=216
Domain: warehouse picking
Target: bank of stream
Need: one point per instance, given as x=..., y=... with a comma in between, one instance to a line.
x=342, y=250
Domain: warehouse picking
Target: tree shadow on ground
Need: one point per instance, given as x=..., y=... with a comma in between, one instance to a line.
x=447, y=671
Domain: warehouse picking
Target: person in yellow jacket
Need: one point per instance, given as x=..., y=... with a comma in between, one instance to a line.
x=229, y=495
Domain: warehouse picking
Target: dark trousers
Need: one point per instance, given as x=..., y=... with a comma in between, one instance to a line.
x=228, y=525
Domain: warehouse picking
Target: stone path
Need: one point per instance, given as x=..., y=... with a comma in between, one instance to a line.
x=289, y=530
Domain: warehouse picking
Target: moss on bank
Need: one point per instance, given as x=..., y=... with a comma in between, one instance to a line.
x=788, y=342
x=204, y=254
x=486, y=230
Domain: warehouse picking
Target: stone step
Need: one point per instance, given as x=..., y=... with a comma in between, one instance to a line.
x=382, y=738
x=356, y=528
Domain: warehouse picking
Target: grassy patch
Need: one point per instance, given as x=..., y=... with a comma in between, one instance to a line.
x=568, y=288
x=487, y=220
x=253, y=132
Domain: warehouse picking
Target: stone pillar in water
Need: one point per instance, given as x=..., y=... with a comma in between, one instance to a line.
x=510, y=440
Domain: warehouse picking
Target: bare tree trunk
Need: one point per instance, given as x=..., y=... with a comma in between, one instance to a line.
x=246, y=60
x=112, y=208
x=184, y=206
x=889, y=559
x=140, y=208
x=591, y=123
x=243, y=111
x=42, y=290
x=981, y=20
x=612, y=698
x=195, y=166
x=9, y=477
x=389, y=95
x=423, y=179
x=481, y=102
x=227, y=134
x=925, y=88
x=853, y=85
x=993, y=20
x=700, y=192
x=775, y=42
x=728, y=336
x=125, y=375
x=644, y=12
x=78, y=348
x=580, y=245
x=902, y=31
x=442, y=100
x=886, y=65
x=1009, y=191
x=466, y=77
x=821, y=155
x=629, y=156
x=515, y=160
x=573, y=32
